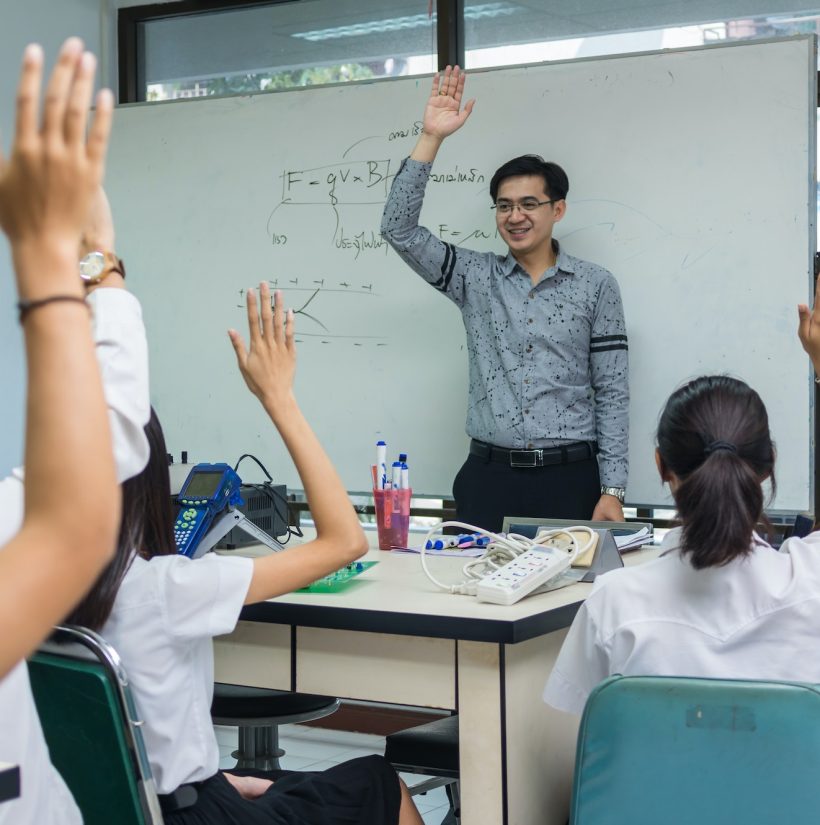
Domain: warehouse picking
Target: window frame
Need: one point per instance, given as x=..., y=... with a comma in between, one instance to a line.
x=131, y=41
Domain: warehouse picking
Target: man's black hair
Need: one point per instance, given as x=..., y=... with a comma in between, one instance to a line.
x=556, y=182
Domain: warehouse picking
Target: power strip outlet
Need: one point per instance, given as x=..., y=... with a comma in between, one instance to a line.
x=522, y=575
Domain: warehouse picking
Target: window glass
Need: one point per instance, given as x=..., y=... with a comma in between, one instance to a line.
x=513, y=32
x=285, y=45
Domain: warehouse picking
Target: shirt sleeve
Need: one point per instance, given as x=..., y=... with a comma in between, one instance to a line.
x=443, y=265
x=609, y=377
x=122, y=355
x=203, y=597
x=582, y=663
x=11, y=506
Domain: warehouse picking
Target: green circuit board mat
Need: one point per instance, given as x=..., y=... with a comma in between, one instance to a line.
x=340, y=580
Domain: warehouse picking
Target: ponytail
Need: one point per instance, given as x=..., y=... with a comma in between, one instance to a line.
x=714, y=436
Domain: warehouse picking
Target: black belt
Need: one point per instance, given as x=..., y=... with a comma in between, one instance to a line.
x=185, y=796
x=566, y=454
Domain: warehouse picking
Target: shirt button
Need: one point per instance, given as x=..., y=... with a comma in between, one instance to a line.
x=529, y=320
x=527, y=411
x=526, y=380
x=529, y=347
x=532, y=294
x=529, y=446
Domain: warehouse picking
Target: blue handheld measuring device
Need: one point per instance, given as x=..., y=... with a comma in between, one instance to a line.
x=208, y=490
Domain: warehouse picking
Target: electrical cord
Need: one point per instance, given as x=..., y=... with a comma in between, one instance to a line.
x=501, y=550
x=275, y=497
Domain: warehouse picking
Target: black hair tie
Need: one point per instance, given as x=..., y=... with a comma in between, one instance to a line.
x=719, y=445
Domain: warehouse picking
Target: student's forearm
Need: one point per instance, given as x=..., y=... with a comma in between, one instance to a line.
x=69, y=466
x=339, y=536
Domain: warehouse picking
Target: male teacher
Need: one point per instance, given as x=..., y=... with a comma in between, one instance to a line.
x=549, y=394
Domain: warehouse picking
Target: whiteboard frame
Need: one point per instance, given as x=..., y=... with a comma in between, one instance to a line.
x=811, y=180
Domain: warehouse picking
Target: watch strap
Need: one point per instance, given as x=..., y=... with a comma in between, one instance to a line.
x=618, y=492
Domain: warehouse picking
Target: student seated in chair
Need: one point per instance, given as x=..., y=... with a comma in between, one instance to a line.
x=719, y=602
x=58, y=520
x=160, y=610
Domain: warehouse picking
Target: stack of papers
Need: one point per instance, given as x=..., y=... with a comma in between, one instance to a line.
x=632, y=540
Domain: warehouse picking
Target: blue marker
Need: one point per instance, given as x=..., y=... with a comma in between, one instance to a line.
x=396, y=479
x=405, y=474
x=441, y=543
x=381, y=462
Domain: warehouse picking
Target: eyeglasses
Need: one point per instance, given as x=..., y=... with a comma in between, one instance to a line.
x=525, y=205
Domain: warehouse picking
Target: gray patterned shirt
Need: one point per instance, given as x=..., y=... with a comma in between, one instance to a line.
x=548, y=363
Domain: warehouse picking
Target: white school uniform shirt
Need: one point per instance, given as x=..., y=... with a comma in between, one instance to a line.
x=757, y=617
x=165, y=616
x=122, y=355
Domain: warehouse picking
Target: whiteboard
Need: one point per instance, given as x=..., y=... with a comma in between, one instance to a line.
x=691, y=179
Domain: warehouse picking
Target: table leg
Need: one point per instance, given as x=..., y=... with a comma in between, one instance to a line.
x=516, y=753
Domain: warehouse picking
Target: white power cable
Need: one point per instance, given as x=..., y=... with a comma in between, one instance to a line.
x=501, y=550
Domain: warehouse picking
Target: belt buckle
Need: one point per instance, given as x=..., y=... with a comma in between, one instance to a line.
x=536, y=458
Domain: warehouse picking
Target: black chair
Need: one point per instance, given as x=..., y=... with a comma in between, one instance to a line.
x=430, y=749
x=92, y=728
x=258, y=712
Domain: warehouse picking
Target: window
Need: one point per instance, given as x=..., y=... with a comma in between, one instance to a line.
x=184, y=50
x=519, y=33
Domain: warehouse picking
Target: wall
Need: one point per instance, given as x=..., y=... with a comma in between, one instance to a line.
x=48, y=22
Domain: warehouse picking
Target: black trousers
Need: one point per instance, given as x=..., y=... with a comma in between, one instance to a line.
x=363, y=790
x=487, y=491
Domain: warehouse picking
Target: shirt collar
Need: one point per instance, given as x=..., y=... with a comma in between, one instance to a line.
x=563, y=262
x=671, y=541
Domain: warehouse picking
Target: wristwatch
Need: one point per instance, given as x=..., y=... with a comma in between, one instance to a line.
x=618, y=492
x=96, y=265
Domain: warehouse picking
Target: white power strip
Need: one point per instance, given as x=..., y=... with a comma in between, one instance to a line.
x=523, y=574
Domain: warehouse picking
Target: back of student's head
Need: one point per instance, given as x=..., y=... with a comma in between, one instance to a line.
x=714, y=436
x=146, y=529
x=556, y=182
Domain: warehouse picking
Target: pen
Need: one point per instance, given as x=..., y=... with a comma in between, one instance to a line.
x=396, y=479
x=405, y=473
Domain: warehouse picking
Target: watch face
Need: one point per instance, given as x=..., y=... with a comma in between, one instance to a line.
x=92, y=266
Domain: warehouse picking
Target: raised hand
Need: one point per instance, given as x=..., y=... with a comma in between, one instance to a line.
x=444, y=114
x=269, y=365
x=808, y=329
x=54, y=170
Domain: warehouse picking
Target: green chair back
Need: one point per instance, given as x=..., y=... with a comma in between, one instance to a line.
x=91, y=727
x=682, y=751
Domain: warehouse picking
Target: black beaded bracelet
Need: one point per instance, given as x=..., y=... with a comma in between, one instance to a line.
x=24, y=307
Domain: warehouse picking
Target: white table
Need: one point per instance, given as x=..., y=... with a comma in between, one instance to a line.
x=393, y=637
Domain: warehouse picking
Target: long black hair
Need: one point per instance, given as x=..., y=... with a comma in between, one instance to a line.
x=146, y=529
x=714, y=436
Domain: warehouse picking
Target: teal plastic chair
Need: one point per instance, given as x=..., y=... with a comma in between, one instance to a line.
x=682, y=751
x=92, y=728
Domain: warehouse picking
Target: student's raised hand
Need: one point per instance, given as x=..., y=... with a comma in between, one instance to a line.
x=808, y=329
x=54, y=168
x=444, y=114
x=269, y=364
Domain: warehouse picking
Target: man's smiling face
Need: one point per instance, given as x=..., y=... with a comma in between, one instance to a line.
x=526, y=230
